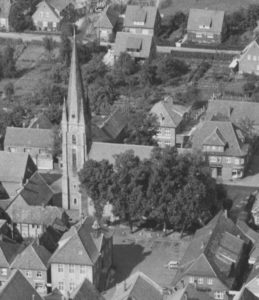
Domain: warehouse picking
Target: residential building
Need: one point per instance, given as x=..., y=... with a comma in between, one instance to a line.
x=139, y=46
x=8, y=251
x=171, y=118
x=35, y=141
x=76, y=259
x=142, y=20
x=215, y=259
x=18, y=288
x=46, y=17
x=15, y=169
x=106, y=25
x=33, y=264
x=138, y=286
x=5, y=6
x=205, y=26
x=41, y=121
x=248, y=60
x=223, y=146
x=235, y=111
x=77, y=144
x=189, y=292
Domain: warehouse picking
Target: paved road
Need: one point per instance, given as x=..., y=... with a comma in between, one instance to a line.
x=165, y=49
x=27, y=37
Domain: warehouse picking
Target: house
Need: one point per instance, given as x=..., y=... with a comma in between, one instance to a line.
x=139, y=46
x=81, y=254
x=46, y=17
x=255, y=210
x=138, y=286
x=171, y=118
x=15, y=169
x=18, y=288
x=86, y=291
x=41, y=121
x=215, y=259
x=5, y=6
x=248, y=60
x=245, y=294
x=236, y=111
x=33, y=264
x=205, y=26
x=8, y=251
x=35, y=141
x=224, y=148
x=142, y=20
x=106, y=25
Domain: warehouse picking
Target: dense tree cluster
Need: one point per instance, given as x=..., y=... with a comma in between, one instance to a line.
x=7, y=63
x=175, y=190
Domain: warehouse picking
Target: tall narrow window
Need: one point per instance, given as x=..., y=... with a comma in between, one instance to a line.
x=74, y=166
x=73, y=139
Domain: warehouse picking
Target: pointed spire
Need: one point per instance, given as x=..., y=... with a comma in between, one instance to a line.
x=64, y=112
x=75, y=97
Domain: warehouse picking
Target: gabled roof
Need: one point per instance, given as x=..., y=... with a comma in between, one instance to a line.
x=122, y=44
x=36, y=191
x=33, y=257
x=100, y=151
x=215, y=138
x=41, y=121
x=168, y=113
x=108, y=18
x=18, y=288
x=8, y=252
x=86, y=291
x=76, y=247
x=228, y=132
x=5, y=6
x=234, y=110
x=252, y=46
x=54, y=295
x=60, y=4
x=212, y=20
x=28, y=137
x=249, y=232
x=136, y=13
x=13, y=166
x=138, y=286
x=202, y=255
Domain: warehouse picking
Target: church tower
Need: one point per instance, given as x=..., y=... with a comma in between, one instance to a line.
x=76, y=135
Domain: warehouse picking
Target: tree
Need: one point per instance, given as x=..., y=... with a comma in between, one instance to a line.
x=49, y=45
x=168, y=68
x=94, y=69
x=97, y=179
x=8, y=62
x=249, y=87
x=54, y=113
x=248, y=130
x=147, y=74
x=57, y=142
x=65, y=50
x=18, y=20
x=9, y=90
x=142, y=128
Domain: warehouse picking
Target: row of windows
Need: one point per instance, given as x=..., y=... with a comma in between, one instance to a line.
x=201, y=280
x=199, y=35
x=164, y=131
x=71, y=268
x=252, y=57
x=228, y=160
x=3, y=271
x=42, y=14
x=29, y=274
x=72, y=286
x=213, y=148
x=219, y=295
x=28, y=150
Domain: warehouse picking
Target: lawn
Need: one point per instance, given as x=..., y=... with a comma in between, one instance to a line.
x=185, y=5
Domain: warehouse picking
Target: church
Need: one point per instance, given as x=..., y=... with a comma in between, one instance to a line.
x=77, y=143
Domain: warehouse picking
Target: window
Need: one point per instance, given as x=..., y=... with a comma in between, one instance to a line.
x=74, y=163
x=28, y=274
x=71, y=286
x=219, y=295
x=210, y=281
x=200, y=280
x=198, y=35
x=39, y=286
x=71, y=268
x=213, y=159
x=241, y=161
x=60, y=268
x=191, y=279
x=210, y=36
x=236, y=161
x=167, y=131
x=73, y=139
x=75, y=201
x=11, y=149
x=82, y=269
x=228, y=160
x=27, y=150
x=138, y=23
x=61, y=285
x=248, y=57
x=4, y=271
x=39, y=274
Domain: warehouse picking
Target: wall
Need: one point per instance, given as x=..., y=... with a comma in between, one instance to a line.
x=250, y=61
x=44, y=17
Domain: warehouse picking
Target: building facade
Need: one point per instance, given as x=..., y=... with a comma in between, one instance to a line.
x=5, y=6
x=248, y=61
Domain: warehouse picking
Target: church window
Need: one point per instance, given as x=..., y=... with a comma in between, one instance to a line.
x=75, y=201
x=74, y=164
x=73, y=139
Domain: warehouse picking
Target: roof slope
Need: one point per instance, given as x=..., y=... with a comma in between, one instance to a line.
x=191, y=292
x=60, y=4
x=36, y=191
x=100, y=151
x=226, y=131
x=41, y=121
x=86, y=291
x=136, y=13
x=8, y=252
x=235, y=110
x=211, y=19
x=125, y=40
x=138, y=286
x=29, y=137
x=203, y=253
x=18, y=288
x=108, y=18
x=77, y=247
x=33, y=257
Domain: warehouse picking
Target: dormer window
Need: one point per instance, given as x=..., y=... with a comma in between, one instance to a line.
x=140, y=17
x=205, y=22
x=134, y=44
